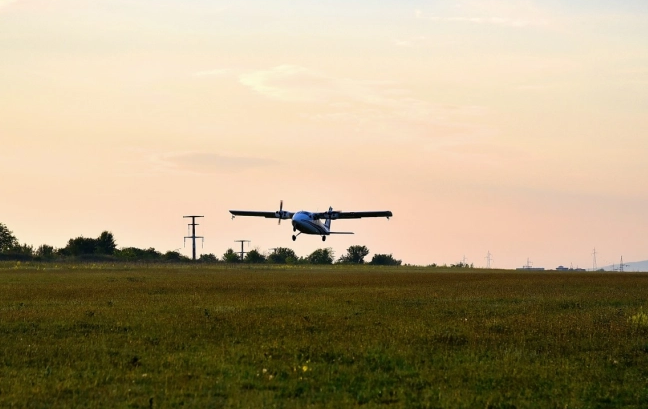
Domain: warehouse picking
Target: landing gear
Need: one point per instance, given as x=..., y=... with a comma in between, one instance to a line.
x=294, y=228
x=294, y=237
x=323, y=238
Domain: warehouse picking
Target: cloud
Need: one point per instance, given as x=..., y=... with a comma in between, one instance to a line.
x=206, y=163
x=410, y=42
x=633, y=76
x=500, y=21
x=292, y=83
x=533, y=88
x=213, y=73
x=377, y=108
x=506, y=13
x=6, y=3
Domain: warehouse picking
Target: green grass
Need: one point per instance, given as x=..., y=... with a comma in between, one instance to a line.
x=213, y=336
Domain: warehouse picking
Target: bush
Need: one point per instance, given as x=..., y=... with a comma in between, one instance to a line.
x=174, y=256
x=384, y=260
x=639, y=320
x=208, y=258
x=135, y=254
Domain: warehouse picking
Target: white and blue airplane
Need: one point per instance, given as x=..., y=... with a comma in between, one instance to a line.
x=311, y=222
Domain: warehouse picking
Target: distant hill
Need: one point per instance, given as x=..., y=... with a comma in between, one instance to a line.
x=631, y=266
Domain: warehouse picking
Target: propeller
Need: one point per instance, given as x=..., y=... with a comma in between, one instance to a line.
x=280, y=212
x=331, y=211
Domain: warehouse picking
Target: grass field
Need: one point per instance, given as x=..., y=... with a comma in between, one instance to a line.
x=213, y=336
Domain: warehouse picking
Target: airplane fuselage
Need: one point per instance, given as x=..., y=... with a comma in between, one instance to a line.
x=306, y=223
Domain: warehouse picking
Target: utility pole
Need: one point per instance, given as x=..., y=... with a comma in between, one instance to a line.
x=622, y=266
x=242, y=241
x=489, y=258
x=594, y=266
x=193, y=236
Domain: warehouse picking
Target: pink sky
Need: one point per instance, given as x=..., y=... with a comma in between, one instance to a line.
x=515, y=127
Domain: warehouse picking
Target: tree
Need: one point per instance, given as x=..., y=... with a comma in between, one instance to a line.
x=208, y=258
x=22, y=250
x=135, y=254
x=254, y=256
x=282, y=255
x=150, y=254
x=384, y=260
x=80, y=246
x=174, y=256
x=7, y=239
x=355, y=255
x=231, y=257
x=45, y=251
x=321, y=256
x=105, y=243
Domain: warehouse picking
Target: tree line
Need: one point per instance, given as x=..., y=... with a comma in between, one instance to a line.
x=104, y=248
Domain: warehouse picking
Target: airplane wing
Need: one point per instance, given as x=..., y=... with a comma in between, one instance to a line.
x=268, y=215
x=336, y=214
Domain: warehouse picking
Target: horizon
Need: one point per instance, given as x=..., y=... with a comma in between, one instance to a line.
x=629, y=266
x=510, y=127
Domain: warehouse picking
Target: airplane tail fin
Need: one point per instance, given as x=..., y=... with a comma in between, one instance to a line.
x=327, y=223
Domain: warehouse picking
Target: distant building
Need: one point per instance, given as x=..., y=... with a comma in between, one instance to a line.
x=528, y=267
x=563, y=268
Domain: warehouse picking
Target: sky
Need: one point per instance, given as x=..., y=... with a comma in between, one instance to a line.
x=511, y=127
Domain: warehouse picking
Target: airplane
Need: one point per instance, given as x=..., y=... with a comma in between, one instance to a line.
x=311, y=222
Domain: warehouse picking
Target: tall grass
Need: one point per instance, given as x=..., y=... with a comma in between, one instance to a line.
x=215, y=336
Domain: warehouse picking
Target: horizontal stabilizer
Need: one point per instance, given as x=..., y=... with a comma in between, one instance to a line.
x=341, y=232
